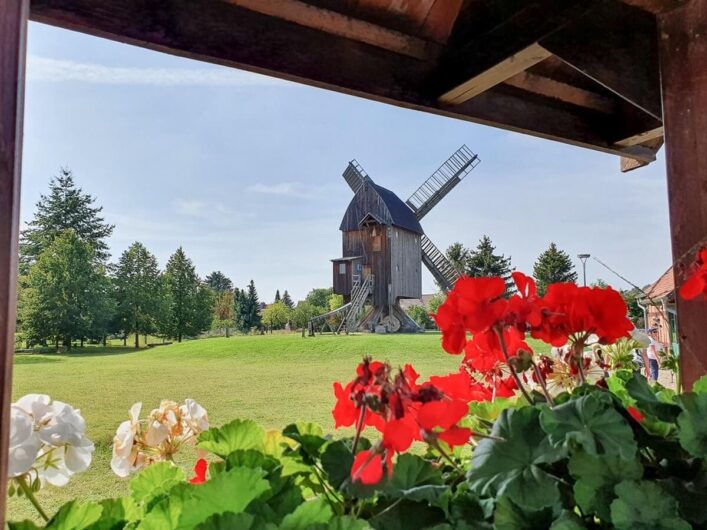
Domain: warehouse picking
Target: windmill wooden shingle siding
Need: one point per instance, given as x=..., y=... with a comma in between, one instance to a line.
x=384, y=246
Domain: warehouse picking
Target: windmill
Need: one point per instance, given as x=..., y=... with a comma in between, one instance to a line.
x=384, y=247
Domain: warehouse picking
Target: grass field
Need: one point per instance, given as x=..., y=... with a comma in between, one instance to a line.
x=272, y=379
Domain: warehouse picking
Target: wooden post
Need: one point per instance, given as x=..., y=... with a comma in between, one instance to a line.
x=683, y=56
x=13, y=35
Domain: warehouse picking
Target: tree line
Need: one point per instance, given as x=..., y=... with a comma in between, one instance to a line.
x=69, y=292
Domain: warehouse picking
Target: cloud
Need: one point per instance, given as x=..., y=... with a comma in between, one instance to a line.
x=60, y=70
x=290, y=189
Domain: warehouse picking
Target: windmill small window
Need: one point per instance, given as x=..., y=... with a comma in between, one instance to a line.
x=342, y=268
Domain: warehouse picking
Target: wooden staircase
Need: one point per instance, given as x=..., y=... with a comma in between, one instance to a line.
x=359, y=295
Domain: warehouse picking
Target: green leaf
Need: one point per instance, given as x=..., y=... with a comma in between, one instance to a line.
x=509, y=516
x=592, y=423
x=646, y=400
x=119, y=510
x=337, y=461
x=75, y=516
x=643, y=505
x=567, y=521
x=692, y=427
x=307, y=515
x=691, y=497
x=348, y=523
x=512, y=467
x=234, y=436
x=227, y=521
x=155, y=481
x=309, y=435
x=416, y=479
x=595, y=479
x=700, y=386
x=405, y=515
x=252, y=459
x=230, y=491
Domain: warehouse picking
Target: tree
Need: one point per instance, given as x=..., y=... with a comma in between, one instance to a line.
x=420, y=315
x=189, y=301
x=278, y=298
x=247, y=309
x=319, y=297
x=635, y=312
x=65, y=208
x=481, y=262
x=304, y=312
x=219, y=282
x=67, y=296
x=287, y=300
x=276, y=315
x=223, y=311
x=458, y=255
x=436, y=301
x=552, y=266
x=138, y=291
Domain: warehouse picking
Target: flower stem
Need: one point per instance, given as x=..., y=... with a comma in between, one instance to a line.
x=515, y=375
x=489, y=436
x=359, y=428
x=22, y=481
x=579, y=359
x=543, y=385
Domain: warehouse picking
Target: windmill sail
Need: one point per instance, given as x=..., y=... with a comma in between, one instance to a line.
x=354, y=175
x=443, y=271
x=442, y=181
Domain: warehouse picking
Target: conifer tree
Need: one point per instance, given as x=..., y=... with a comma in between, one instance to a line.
x=138, y=291
x=287, y=300
x=553, y=265
x=67, y=294
x=481, y=262
x=248, y=309
x=278, y=298
x=219, y=282
x=66, y=207
x=189, y=302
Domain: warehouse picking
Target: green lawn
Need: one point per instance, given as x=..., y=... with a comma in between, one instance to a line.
x=273, y=379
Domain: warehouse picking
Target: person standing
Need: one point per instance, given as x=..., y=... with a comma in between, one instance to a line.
x=652, y=353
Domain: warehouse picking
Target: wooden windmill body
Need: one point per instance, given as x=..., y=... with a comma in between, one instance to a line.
x=384, y=247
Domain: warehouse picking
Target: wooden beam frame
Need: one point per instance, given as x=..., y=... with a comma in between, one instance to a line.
x=504, y=51
x=683, y=62
x=342, y=25
x=227, y=34
x=622, y=56
x=13, y=34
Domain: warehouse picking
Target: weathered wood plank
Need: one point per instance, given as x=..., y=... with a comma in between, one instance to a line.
x=489, y=58
x=13, y=32
x=683, y=61
x=617, y=46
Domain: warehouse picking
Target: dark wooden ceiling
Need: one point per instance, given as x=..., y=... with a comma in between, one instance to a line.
x=584, y=72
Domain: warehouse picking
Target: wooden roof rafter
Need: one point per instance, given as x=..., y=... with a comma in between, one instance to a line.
x=350, y=46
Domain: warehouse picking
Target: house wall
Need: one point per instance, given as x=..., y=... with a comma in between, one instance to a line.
x=658, y=319
x=406, y=264
x=374, y=252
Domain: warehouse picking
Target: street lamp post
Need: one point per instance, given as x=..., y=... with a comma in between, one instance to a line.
x=584, y=258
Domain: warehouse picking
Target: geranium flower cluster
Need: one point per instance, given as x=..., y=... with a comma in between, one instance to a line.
x=490, y=328
x=403, y=411
x=47, y=442
x=139, y=443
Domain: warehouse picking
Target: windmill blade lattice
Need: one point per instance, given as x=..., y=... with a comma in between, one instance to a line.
x=437, y=263
x=354, y=175
x=442, y=181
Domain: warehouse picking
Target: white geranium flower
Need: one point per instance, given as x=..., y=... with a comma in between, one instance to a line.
x=24, y=443
x=157, y=433
x=36, y=405
x=195, y=416
x=125, y=455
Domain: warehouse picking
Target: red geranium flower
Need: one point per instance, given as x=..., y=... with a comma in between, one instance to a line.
x=696, y=282
x=368, y=467
x=200, y=469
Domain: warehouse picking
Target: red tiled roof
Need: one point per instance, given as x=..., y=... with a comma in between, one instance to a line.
x=664, y=286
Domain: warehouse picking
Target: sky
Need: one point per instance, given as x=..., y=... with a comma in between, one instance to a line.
x=244, y=171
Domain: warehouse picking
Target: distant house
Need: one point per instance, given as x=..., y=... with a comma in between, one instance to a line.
x=659, y=309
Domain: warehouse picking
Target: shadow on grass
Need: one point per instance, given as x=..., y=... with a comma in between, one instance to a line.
x=86, y=351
